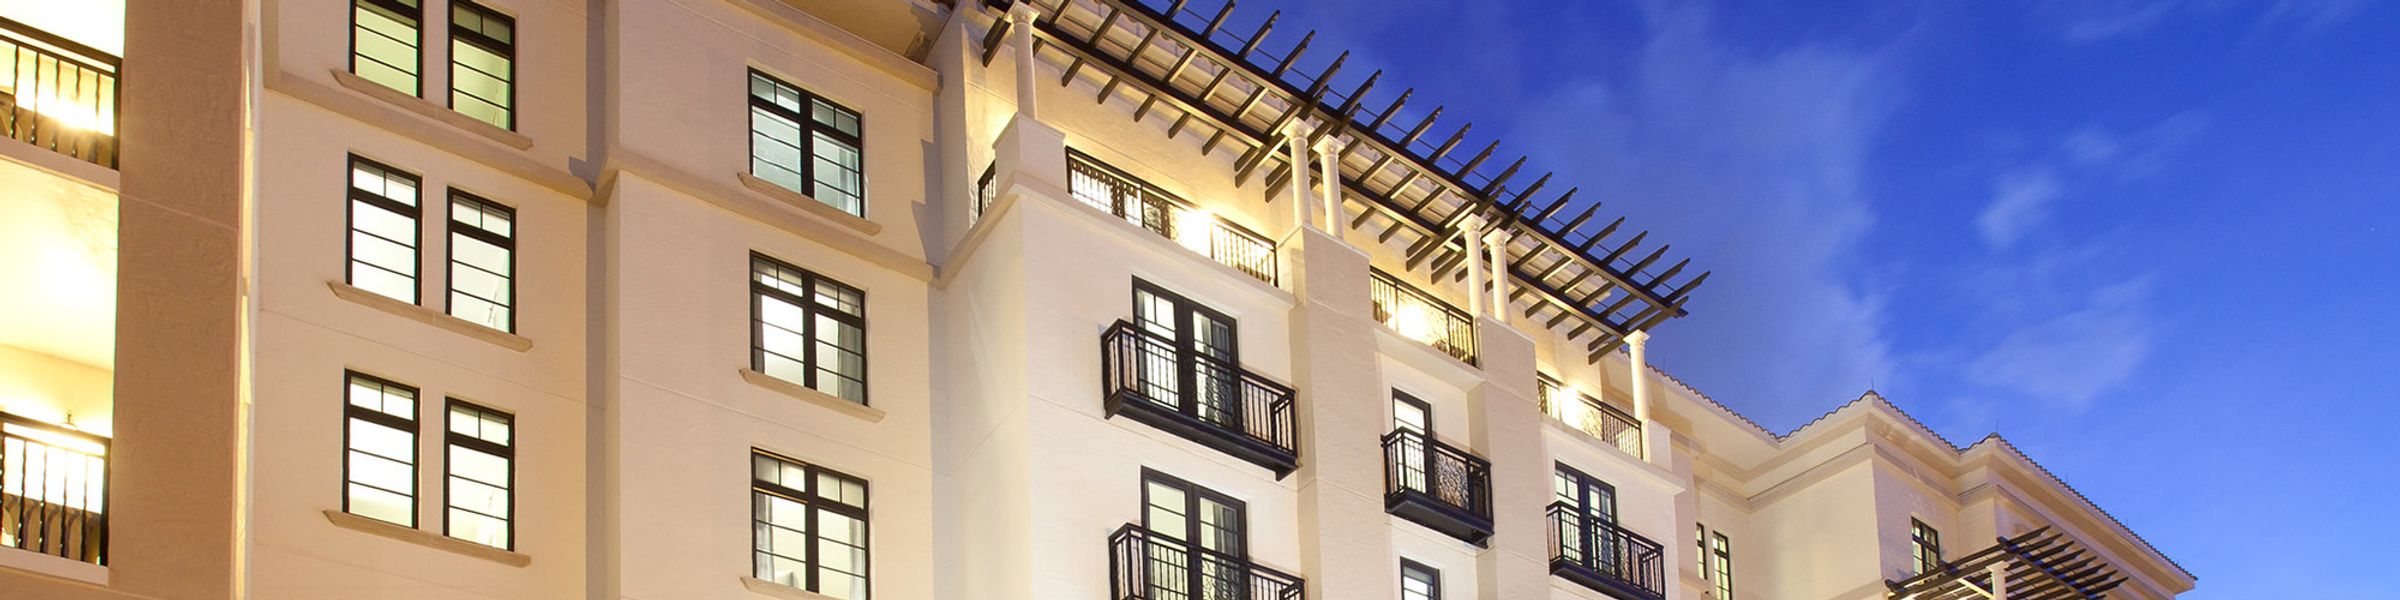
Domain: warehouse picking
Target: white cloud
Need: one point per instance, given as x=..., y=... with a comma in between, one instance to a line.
x=2097, y=20
x=2075, y=356
x=2020, y=201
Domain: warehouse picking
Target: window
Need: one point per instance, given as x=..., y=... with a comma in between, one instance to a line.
x=807, y=329
x=482, y=481
x=380, y=435
x=483, y=259
x=806, y=144
x=1925, y=545
x=1419, y=582
x=383, y=230
x=1194, y=521
x=1415, y=454
x=385, y=40
x=1198, y=371
x=1590, y=505
x=1700, y=547
x=809, y=527
x=1721, y=552
x=1411, y=413
x=483, y=64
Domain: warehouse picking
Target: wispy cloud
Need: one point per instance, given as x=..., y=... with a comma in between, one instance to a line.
x=2020, y=201
x=2097, y=20
x=1752, y=162
x=2075, y=356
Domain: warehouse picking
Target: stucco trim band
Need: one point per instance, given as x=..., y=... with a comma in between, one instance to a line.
x=769, y=588
x=806, y=204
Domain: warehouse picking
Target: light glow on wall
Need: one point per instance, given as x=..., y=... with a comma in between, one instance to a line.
x=1194, y=227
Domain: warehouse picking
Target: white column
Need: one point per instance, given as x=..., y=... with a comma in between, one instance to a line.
x=1639, y=343
x=1474, y=235
x=1329, y=176
x=1296, y=143
x=1020, y=18
x=1499, y=302
x=1999, y=581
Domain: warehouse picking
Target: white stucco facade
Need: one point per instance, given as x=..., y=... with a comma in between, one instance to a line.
x=996, y=462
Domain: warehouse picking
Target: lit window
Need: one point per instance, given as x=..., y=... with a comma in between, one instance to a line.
x=483, y=258
x=807, y=329
x=380, y=434
x=481, y=487
x=1419, y=582
x=809, y=527
x=383, y=230
x=1925, y=545
x=1700, y=544
x=385, y=40
x=1721, y=552
x=483, y=64
x=806, y=144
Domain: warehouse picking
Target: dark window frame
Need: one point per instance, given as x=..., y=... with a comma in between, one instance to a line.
x=1585, y=485
x=809, y=128
x=1193, y=494
x=1187, y=314
x=506, y=49
x=1433, y=578
x=416, y=460
x=815, y=504
x=1925, y=546
x=450, y=250
x=1400, y=397
x=351, y=61
x=813, y=308
x=1721, y=555
x=452, y=438
x=352, y=195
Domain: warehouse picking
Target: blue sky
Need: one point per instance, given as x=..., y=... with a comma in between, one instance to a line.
x=2156, y=243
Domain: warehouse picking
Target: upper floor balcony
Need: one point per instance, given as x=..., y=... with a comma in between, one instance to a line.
x=53, y=490
x=1598, y=419
x=1151, y=379
x=1437, y=485
x=1144, y=565
x=1420, y=316
x=58, y=94
x=1598, y=554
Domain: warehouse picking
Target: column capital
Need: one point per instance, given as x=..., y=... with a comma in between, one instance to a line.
x=1638, y=339
x=1331, y=144
x=1473, y=223
x=1023, y=13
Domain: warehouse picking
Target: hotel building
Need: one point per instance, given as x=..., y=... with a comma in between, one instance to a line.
x=880, y=299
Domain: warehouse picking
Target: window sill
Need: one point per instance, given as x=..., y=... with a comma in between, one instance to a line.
x=777, y=590
x=809, y=205
x=421, y=106
x=771, y=383
x=28, y=561
x=427, y=539
x=431, y=317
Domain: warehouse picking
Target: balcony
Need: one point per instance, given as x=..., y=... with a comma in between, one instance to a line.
x=1607, y=558
x=1146, y=566
x=1441, y=487
x=58, y=94
x=1420, y=316
x=53, y=490
x=1146, y=378
x=1114, y=192
x=1592, y=417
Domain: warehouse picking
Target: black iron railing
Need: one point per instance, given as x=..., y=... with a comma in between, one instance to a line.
x=985, y=194
x=53, y=490
x=1593, y=417
x=1148, y=371
x=1112, y=191
x=58, y=94
x=1414, y=463
x=1420, y=316
x=1602, y=555
x=1147, y=566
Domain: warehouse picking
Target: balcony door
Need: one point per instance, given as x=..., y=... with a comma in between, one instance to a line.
x=1189, y=357
x=1589, y=533
x=1414, y=416
x=1199, y=548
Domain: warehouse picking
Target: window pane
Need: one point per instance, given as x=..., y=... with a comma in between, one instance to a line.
x=384, y=45
x=782, y=536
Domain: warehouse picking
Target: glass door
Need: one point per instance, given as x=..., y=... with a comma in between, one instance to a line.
x=1198, y=549
x=1195, y=366
x=1412, y=453
x=1588, y=533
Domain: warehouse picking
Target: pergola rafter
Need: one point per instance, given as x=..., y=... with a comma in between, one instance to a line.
x=2039, y=565
x=1240, y=95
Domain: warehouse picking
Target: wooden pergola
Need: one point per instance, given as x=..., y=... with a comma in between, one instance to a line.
x=2039, y=565
x=1406, y=185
